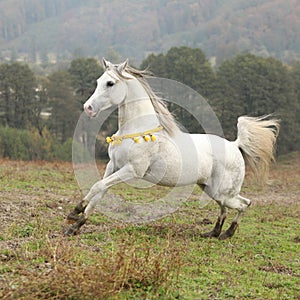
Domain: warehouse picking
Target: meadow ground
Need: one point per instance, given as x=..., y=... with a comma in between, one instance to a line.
x=165, y=259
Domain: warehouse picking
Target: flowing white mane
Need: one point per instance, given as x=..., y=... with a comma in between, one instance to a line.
x=166, y=119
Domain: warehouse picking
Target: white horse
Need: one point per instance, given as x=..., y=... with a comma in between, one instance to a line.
x=149, y=145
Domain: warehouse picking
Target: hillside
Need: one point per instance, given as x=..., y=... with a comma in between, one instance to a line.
x=58, y=29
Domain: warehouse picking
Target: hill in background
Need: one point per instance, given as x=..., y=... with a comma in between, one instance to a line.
x=51, y=30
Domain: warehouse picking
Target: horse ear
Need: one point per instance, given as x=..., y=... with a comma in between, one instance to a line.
x=105, y=63
x=122, y=66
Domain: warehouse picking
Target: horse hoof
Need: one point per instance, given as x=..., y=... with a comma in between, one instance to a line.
x=70, y=221
x=71, y=231
x=72, y=218
x=74, y=229
x=210, y=234
x=224, y=236
x=229, y=232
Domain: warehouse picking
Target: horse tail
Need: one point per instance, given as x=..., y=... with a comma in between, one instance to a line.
x=256, y=139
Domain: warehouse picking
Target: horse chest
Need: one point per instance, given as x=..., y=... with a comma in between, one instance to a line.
x=119, y=156
x=129, y=152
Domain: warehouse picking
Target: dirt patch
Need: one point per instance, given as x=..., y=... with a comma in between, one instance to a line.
x=279, y=269
x=275, y=198
x=282, y=187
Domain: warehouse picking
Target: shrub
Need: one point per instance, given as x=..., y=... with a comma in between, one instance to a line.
x=20, y=144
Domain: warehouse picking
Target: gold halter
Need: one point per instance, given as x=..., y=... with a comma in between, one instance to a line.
x=136, y=137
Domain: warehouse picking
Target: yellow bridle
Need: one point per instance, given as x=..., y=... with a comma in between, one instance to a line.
x=146, y=135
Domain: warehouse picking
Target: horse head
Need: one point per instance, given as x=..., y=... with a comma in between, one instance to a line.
x=111, y=89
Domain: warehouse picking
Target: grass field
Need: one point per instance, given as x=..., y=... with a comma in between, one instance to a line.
x=165, y=259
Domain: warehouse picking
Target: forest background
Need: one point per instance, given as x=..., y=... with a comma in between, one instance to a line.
x=242, y=56
x=38, y=115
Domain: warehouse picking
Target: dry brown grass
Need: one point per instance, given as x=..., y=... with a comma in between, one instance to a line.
x=62, y=269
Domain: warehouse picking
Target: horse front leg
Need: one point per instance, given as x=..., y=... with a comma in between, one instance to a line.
x=75, y=215
x=87, y=206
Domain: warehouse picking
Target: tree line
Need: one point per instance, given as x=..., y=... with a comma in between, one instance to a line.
x=38, y=114
x=244, y=85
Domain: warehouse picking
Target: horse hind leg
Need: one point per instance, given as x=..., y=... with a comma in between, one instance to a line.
x=219, y=224
x=241, y=204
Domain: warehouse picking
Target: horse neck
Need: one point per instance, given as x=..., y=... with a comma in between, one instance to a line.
x=136, y=113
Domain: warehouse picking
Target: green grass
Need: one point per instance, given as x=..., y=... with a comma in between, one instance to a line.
x=166, y=259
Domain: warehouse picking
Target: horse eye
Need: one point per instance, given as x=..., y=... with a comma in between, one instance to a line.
x=109, y=83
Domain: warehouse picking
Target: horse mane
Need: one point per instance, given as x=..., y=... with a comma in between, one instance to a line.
x=165, y=117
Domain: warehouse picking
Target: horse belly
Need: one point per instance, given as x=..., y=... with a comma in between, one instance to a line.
x=178, y=163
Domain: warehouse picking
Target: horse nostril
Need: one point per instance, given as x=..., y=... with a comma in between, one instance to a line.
x=88, y=108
